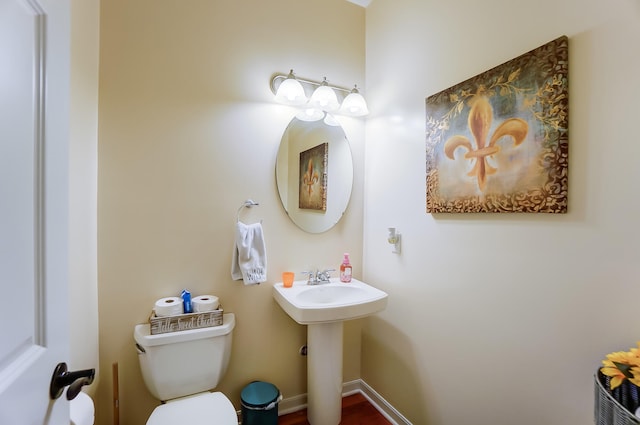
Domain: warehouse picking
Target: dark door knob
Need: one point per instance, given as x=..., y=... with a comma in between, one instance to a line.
x=75, y=380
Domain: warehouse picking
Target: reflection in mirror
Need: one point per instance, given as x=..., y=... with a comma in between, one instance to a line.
x=314, y=173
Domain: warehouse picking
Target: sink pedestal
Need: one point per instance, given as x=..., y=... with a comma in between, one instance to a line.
x=324, y=373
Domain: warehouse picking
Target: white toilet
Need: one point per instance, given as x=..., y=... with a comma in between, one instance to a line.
x=179, y=368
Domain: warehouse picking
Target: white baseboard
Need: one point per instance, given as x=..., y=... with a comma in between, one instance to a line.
x=299, y=402
x=292, y=404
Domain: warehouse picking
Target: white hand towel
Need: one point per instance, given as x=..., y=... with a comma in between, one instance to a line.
x=249, y=261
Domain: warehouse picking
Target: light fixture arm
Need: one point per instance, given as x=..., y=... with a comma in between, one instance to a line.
x=277, y=79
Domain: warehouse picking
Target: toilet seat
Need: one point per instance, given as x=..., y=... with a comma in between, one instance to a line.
x=200, y=409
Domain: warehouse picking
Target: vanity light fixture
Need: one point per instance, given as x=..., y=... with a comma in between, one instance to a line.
x=291, y=90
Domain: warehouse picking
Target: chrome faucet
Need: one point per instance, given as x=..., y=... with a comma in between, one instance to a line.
x=317, y=277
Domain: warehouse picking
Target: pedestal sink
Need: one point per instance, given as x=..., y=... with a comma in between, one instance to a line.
x=324, y=308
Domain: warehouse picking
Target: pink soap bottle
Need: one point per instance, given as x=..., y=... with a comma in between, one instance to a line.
x=345, y=269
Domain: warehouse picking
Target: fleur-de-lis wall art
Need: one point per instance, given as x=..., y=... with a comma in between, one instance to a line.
x=310, y=178
x=312, y=185
x=480, y=119
x=498, y=142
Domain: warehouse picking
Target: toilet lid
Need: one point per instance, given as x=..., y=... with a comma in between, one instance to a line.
x=200, y=409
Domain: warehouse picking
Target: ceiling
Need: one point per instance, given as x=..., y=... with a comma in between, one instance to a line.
x=363, y=3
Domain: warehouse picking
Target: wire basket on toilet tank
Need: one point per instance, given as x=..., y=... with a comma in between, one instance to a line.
x=617, y=398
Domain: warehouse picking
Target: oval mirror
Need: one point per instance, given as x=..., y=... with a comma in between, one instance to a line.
x=314, y=173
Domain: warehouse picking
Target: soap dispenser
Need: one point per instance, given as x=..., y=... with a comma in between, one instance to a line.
x=345, y=269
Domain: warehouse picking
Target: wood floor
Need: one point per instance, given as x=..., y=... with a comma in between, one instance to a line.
x=356, y=410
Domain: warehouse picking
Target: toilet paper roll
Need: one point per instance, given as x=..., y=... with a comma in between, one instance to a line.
x=170, y=306
x=81, y=410
x=204, y=303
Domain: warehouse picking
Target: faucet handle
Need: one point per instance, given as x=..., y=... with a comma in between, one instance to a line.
x=312, y=275
x=324, y=276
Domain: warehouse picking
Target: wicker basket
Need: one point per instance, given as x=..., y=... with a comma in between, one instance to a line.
x=608, y=410
x=183, y=322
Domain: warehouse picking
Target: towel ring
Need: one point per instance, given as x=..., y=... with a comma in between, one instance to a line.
x=246, y=204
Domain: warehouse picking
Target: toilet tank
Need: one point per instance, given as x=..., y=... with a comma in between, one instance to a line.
x=182, y=363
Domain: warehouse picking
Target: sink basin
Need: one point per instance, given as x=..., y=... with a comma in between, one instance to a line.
x=329, y=302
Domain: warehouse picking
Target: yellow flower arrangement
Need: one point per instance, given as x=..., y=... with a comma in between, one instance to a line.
x=622, y=365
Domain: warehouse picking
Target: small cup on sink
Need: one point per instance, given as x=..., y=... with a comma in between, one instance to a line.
x=287, y=279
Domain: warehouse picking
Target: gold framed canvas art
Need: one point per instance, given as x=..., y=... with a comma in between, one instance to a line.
x=312, y=184
x=498, y=142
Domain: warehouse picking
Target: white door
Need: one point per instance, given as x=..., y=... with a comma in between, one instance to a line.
x=34, y=126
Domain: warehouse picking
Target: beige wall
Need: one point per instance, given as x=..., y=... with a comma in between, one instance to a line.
x=83, y=185
x=500, y=319
x=188, y=131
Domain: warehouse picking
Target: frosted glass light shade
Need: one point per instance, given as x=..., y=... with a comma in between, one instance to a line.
x=324, y=98
x=354, y=105
x=291, y=92
x=331, y=121
x=310, y=114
